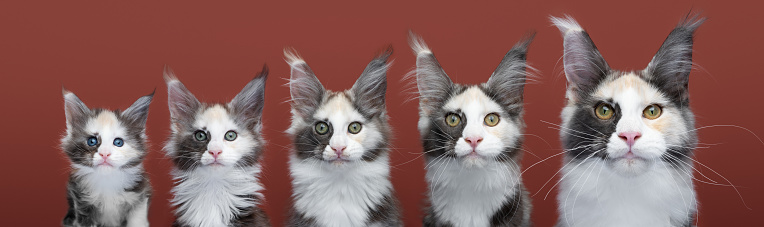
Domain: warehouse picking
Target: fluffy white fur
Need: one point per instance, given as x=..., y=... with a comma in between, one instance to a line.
x=339, y=196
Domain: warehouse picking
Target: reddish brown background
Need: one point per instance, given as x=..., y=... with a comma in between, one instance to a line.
x=112, y=52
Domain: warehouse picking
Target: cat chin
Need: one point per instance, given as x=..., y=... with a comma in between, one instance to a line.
x=630, y=167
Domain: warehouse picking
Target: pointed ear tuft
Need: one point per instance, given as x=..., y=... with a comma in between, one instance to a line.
x=584, y=65
x=433, y=83
x=305, y=89
x=138, y=113
x=247, y=106
x=670, y=67
x=76, y=111
x=369, y=90
x=183, y=105
x=508, y=80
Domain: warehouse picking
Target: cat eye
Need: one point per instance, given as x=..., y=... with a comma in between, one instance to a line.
x=200, y=135
x=92, y=141
x=322, y=128
x=354, y=127
x=604, y=111
x=652, y=112
x=230, y=135
x=118, y=142
x=453, y=120
x=491, y=119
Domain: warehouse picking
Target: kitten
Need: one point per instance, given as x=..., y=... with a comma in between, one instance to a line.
x=472, y=136
x=215, y=149
x=107, y=185
x=340, y=168
x=628, y=135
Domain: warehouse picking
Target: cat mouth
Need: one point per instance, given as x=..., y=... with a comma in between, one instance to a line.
x=104, y=164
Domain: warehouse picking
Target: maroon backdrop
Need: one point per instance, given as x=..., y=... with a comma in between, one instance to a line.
x=112, y=52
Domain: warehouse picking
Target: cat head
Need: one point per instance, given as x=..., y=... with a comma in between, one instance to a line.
x=475, y=123
x=102, y=139
x=631, y=120
x=217, y=136
x=339, y=127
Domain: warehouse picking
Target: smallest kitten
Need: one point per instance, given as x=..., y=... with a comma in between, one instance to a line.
x=107, y=185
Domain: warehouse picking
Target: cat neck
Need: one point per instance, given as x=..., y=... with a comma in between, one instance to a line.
x=470, y=196
x=107, y=180
x=214, y=196
x=590, y=195
x=333, y=195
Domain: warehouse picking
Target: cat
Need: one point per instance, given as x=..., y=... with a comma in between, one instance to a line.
x=108, y=185
x=340, y=165
x=215, y=149
x=627, y=135
x=472, y=137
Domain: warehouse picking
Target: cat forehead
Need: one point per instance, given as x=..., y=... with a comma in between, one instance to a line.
x=213, y=117
x=629, y=88
x=104, y=121
x=338, y=107
x=472, y=98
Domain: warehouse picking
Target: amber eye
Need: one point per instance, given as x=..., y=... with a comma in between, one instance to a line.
x=354, y=127
x=491, y=119
x=453, y=120
x=604, y=111
x=322, y=128
x=652, y=112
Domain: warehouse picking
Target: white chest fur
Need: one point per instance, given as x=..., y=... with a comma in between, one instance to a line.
x=593, y=196
x=469, y=196
x=339, y=196
x=105, y=188
x=211, y=196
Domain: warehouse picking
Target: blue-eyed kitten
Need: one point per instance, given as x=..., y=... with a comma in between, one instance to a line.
x=107, y=184
x=472, y=137
x=340, y=165
x=628, y=135
x=215, y=149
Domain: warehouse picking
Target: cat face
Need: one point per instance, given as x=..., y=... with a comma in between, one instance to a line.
x=215, y=136
x=339, y=127
x=103, y=139
x=631, y=120
x=474, y=123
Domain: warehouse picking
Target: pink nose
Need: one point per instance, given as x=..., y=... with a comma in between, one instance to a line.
x=630, y=137
x=474, y=141
x=104, y=155
x=215, y=154
x=338, y=150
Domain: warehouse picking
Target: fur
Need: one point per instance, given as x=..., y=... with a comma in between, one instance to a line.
x=107, y=184
x=341, y=178
x=601, y=171
x=216, y=179
x=473, y=185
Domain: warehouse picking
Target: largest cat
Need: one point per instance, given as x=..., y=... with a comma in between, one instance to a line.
x=628, y=135
x=215, y=149
x=472, y=136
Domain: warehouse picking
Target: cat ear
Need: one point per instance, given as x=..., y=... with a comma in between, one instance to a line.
x=433, y=83
x=248, y=104
x=508, y=80
x=584, y=65
x=76, y=111
x=305, y=89
x=670, y=67
x=183, y=105
x=370, y=88
x=137, y=113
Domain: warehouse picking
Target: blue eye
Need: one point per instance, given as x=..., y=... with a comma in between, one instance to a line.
x=118, y=142
x=92, y=141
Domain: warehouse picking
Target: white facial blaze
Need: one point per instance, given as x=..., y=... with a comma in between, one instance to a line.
x=476, y=106
x=108, y=128
x=340, y=113
x=216, y=121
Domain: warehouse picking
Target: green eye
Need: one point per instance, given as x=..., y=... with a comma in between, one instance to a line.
x=230, y=135
x=322, y=128
x=491, y=119
x=652, y=112
x=200, y=136
x=354, y=127
x=604, y=111
x=453, y=120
